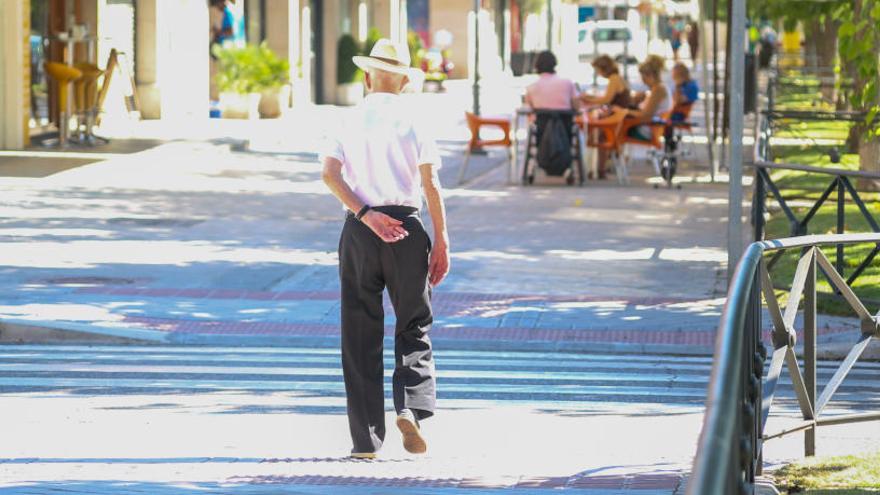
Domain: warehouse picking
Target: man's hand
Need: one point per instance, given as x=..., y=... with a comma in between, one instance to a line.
x=388, y=229
x=438, y=266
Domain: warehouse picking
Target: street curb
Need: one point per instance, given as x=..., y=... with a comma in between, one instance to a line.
x=55, y=332
x=13, y=331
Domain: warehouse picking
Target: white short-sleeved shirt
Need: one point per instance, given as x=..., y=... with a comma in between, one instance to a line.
x=381, y=149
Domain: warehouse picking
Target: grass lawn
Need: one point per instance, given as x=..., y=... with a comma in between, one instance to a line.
x=801, y=190
x=846, y=475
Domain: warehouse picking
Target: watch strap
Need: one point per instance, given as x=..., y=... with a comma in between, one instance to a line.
x=362, y=212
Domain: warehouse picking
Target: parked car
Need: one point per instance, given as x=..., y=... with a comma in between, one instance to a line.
x=613, y=38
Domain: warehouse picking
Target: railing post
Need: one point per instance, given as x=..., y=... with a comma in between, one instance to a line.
x=810, y=350
x=758, y=201
x=771, y=102
x=755, y=366
x=841, y=223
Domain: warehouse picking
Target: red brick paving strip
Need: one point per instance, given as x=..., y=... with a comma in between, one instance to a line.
x=440, y=297
x=281, y=329
x=654, y=481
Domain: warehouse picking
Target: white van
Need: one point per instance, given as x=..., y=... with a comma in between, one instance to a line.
x=612, y=38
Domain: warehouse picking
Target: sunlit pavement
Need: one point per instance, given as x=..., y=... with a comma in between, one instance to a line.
x=189, y=238
x=185, y=420
x=191, y=242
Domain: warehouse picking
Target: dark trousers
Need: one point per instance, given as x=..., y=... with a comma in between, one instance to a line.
x=367, y=265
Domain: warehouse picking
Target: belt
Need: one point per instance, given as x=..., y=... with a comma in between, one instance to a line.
x=390, y=210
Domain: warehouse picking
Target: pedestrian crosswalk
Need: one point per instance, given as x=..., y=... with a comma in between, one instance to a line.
x=557, y=380
x=191, y=419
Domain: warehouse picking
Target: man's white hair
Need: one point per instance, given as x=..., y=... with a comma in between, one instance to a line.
x=383, y=80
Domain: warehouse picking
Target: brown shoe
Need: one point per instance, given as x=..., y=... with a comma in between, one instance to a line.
x=363, y=455
x=413, y=441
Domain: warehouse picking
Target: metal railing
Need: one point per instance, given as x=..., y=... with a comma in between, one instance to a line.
x=729, y=453
x=840, y=183
x=773, y=117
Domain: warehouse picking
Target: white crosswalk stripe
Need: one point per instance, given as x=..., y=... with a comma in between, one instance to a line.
x=557, y=380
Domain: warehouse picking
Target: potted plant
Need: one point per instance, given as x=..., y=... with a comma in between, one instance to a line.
x=272, y=80
x=349, y=89
x=234, y=80
x=247, y=75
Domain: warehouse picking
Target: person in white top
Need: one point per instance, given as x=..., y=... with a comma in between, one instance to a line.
x=379, y=165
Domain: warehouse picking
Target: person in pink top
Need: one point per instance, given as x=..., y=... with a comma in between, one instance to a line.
x=550, y=92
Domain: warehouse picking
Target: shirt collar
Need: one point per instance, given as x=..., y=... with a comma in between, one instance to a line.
x=380, y=97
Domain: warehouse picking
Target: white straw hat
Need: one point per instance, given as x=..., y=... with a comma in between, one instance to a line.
x=388, y=56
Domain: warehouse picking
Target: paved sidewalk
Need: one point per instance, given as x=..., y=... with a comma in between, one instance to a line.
x=190, y=239
x=188, y=242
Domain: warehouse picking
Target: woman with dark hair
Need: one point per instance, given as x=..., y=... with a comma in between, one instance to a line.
x=617, y=91
x=550, y=92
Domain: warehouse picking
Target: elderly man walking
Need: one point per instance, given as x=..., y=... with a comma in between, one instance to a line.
x=378, y=164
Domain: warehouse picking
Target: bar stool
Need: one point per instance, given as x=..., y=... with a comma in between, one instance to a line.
x=86, y=102
x=475, y=123
x=64, y=74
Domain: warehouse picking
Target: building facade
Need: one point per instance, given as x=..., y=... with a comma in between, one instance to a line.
x=166, y=57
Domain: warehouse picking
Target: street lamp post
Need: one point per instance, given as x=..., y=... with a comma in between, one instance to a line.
x=736, y=71
x=476, y=57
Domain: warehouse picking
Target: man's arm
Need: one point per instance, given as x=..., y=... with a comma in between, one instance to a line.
x=438, y=265
x=387, y=228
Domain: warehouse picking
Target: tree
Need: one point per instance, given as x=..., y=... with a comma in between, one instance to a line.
x=818, y=20
x=859, y=47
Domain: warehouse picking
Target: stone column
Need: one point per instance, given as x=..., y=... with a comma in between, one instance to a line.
x=382, y=17
x=146, y=53
x=331, y=36
x=278, y=27
x=172, y=66
x=14, y=73
x=452, y=15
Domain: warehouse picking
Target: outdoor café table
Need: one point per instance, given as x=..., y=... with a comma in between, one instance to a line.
x=526, y=112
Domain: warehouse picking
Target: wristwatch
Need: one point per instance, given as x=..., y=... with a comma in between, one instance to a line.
x=363, y=212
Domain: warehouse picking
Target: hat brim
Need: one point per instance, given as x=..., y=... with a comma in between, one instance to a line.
x=366, y=63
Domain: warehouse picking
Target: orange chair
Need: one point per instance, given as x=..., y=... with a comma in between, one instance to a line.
x=662, y=154
x=604, y=134
x=475, y=123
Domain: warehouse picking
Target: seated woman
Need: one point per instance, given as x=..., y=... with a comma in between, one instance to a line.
x=617, y=95
x=550, y=92
x=654, y=101
x=617, y=91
